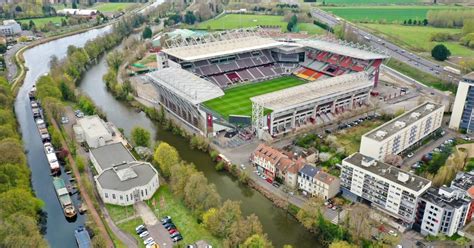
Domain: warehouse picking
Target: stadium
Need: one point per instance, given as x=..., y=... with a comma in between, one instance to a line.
x=245, y=78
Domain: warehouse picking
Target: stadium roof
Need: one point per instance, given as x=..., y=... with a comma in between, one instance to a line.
x=186, y=84
x=220, y=44
x=301, y=94
x=345, y=48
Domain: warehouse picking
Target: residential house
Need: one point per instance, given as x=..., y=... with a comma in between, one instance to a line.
x=315, y=182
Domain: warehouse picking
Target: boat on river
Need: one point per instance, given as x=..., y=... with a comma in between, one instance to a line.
x=52, y=158
x=64, y=198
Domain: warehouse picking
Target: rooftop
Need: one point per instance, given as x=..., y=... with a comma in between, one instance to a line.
x=127, y=176
x=439, y=198
x=320, y=89
x=463, y=180
x=343, y=48
x=309, y=170
x=469, y=76
x=325, y=177
x=405, y=120
x=269, y=153
x=186, y=84
x=218, y=44
x=389, y=172
x=94, y=125
x=110, y=155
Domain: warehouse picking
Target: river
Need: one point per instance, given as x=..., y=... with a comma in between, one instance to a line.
x=59, y=231
x=281, y=228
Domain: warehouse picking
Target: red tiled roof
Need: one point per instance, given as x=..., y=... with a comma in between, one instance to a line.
x=325, y=177
x=470, y=191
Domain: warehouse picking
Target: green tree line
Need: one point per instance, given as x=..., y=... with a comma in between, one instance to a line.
x=449, y=18
x=20, y=209
x=223, y=220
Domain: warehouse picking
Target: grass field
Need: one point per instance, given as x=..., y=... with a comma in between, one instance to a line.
x=350, y=138
x=417, y=38
x=387, y=14
x=129, y=227
x=233, y=21
x=44, y=20
x=111, y=7
x=184, y=220
x=363, y=2
x=236, y=101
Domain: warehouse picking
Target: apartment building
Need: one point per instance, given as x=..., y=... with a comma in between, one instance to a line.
x=315, y=182
x=462, y=115
x=442, y=211
x=399, y=134
x=10, y=27
x=465, y=181
x=385, y=187
x=267, y=159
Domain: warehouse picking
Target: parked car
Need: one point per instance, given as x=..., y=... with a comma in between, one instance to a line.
x=177, y=238
x=139, y=228
x=467, y=138
x=165, y=220
x=410, y=154
x=169, y=227
x=393, y=233
x=78, y=114
x=143, y=234
x=276, y=185
x=242, y=166
x=175, y=234
x=148, y=241
x=64, y=120
x=173, y=230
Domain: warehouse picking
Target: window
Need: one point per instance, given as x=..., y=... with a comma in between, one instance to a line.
x=127, y=198
x=142, y=192
x=113, y=196
x=121, y=198
x=146, y=192
x=106, y=195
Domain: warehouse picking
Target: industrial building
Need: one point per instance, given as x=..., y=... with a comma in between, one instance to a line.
x=383, y=186
x=462, y=116
x=401, y=133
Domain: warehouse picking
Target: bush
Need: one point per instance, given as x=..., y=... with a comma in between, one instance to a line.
x=219, y=166
x=214, y=155
x=81, y=165
x=440, y=52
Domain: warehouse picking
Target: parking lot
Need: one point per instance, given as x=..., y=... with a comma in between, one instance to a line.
x=156, y=231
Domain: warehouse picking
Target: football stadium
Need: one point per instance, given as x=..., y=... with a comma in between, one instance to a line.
x=246, y=78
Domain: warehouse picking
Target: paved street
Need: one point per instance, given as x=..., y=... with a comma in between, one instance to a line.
x=10, y=60
x=156, y=230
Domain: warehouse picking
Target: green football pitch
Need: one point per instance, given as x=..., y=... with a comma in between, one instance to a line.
x=236, y=101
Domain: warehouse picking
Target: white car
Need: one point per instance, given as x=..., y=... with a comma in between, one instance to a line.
x=242, y=166
x=143, y=234
x=410, y=154
x=393, y=233
x=148, y=241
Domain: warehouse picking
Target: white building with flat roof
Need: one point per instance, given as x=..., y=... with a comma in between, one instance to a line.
x=96, y=132
x=397, y=135
x=386, y=187
x=10, y=27
x=462, y=116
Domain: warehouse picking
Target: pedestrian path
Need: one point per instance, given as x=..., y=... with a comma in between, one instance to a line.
x=156, y=230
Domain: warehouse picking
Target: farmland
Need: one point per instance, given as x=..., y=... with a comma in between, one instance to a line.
x=233, y=21
x=387, y=14
x=365, y=2
x=236, y=101
x=417, y=38
x=111, y=7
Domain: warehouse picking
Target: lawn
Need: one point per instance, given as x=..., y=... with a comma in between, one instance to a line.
x=362, y=2
x=185, y=221
x=39, y=22
x=383, y=13
x=129, y=227
x=118, y=213
x=350, y=138
x=417, y=38
x=236, y=100
x=111, y=7
x=233, y=21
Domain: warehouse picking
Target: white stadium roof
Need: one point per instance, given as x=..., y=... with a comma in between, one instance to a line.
x=305, y=93
x=344, y=48
x=186, y=84
x=220, y=45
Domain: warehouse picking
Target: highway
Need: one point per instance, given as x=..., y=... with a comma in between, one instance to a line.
x=393, y=50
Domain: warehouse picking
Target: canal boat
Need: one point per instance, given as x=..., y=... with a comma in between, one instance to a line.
x=64, y=198
x=32, y=93
x=83, y=238
x=52, y=158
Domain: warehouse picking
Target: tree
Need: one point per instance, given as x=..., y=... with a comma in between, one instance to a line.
x=257, y=241
x=342, y=244
x=32, y=24
x=141, y=137
x=3, y=48
x=468, y=27
x=166, y=156
x=219, y=221
x=440, y=52
x=199, y=196
x=18, y=8
x=292, y=23
x=310, y=211
x=179, y=175
x=425, y=22
x=115, y=59
x=189, y=18
x=19, y=230
x=147, y=33
x=241, y=230
x=74, y=4
x=409, y=22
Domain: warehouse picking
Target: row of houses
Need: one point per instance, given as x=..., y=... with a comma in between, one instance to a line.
x=406, y=197
x=295, y=171
x=120, y=178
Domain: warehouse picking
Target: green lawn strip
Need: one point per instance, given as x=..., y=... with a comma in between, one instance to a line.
x=384, y=13
x=232, y=21
x=237, y=100
x=185, y=221
x=417, y=38
x=310, y=28
x=39, y=22
x=118, y=213
x=422, y=77
x=111, y=7
x=366, y=2
x=350, y=138
x=129, y=227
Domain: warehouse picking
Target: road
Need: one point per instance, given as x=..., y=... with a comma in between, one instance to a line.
x=393, y=50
